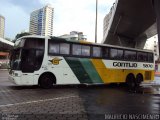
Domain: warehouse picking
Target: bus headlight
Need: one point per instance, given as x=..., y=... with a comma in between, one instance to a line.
x=16, y=74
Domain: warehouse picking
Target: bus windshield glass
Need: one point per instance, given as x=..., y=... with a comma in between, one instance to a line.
x=15, y=59
x=37, y=43
x=28, y=54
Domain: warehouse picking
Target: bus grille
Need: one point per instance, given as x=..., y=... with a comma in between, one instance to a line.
x=148, y=75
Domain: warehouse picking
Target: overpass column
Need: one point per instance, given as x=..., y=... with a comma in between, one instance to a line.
x=156, y=4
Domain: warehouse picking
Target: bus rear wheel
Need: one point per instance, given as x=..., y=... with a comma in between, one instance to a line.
x=46, y=81
x=130, y=80
x=139, y=79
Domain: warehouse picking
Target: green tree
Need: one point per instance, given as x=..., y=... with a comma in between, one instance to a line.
x=21, y=35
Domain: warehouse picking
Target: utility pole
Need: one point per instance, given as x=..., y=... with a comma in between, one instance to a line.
x=96, y=22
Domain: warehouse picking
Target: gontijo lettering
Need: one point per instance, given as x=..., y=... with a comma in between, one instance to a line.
x=124, y=64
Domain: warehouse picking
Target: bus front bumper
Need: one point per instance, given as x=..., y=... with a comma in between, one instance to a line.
x=15, y=80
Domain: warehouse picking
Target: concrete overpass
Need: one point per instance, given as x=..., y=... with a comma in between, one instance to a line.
x=5, y=45
x=131, y=22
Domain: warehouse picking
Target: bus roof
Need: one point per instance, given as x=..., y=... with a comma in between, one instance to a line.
x=98, y=44
x=83, y=42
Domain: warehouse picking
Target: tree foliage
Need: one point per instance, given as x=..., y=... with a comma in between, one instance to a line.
x=21, y=35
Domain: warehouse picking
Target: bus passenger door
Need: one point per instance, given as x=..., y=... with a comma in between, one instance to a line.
x=28, y=66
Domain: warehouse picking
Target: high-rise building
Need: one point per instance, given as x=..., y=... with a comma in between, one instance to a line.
x=41, y=21
x=2, y=26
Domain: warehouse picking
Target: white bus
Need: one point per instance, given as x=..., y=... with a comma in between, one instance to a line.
x=45, y=61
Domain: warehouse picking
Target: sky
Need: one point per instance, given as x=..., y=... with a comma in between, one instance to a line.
x=69, y=15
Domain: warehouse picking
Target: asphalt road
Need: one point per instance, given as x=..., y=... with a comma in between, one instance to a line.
x=78, y=102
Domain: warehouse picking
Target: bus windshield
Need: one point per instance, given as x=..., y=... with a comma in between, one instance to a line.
x=29, y=56
x=31, y=59
x=15, y=59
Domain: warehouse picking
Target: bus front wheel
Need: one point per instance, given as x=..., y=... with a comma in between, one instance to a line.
x=46, y=81
x=130, y=80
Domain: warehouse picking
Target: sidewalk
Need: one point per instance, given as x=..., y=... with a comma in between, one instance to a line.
x=155, y=82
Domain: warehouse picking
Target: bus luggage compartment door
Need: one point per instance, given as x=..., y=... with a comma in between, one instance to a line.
x=27, y=78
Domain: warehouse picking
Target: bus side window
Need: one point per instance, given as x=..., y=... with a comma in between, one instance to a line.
x=145, y=56
x=142, y=56
x=64, y=48
x=130, y=55
x=85, y=50
x=76, y=49
x=119, y=54
x=97, y=52
x=150, y=57
x=113, y=53
x=106, y=52
x=53, y=48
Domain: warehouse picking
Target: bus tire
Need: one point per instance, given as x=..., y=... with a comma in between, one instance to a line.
x=139, y=79
x=130, y=80
x=47, y=80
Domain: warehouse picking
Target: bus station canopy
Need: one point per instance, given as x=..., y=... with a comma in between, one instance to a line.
x=5, y=45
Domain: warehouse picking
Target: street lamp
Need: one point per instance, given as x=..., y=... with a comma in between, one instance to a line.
x=96, y=22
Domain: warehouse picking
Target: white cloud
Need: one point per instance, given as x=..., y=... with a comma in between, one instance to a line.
x=79, y=15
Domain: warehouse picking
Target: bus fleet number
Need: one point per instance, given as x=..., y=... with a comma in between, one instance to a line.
x=147, y=66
